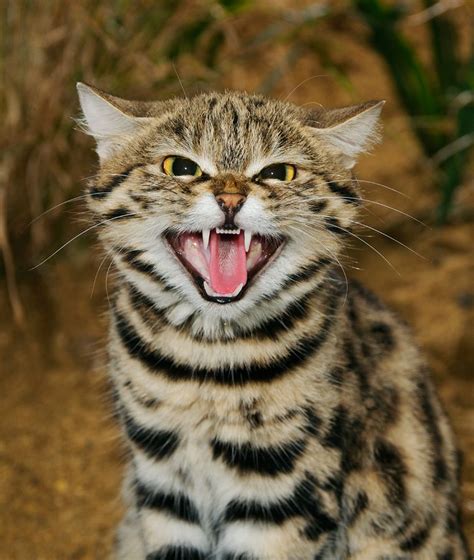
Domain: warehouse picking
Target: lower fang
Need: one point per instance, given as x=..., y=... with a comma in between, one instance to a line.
x=237, y=290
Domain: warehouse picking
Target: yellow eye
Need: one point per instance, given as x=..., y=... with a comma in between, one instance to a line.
x=176, y=166
x=278, y=171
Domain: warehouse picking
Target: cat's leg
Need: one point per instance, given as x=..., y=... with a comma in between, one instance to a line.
x=390, y=551
x=169, y=524
x=390, y=525
x=129, y=543
x=270, y=514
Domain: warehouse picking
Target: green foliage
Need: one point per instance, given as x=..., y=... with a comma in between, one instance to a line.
x=438, y=99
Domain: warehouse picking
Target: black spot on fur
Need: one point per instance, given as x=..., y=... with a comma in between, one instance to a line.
x=348, y=195
x=354, y=365
x=248, y=458
x=430, y=421
x=334, y=225
x=101, y=191
x=383, y=336
x=345, y=434
x=285, y=321
x=334, y=484
x=132, y=257
x=177, y=553
x=307, y=272
x=118, y=214
x=143, y=304
x=137, y=396
x=336, y=376
x=368, y=296
x=177, y=505
x=383, y=405
x=235, y=118
x=415, y=541
x=357, y=507
x=252, y=415
x=212, y=103
x=252, y=372
x=318, y=206
x=177, y=127
x=256, y=103
x=237, y=556
x=392, y=469
x=302, y=502
x=158, y=444
x=313, y=422
x=335, y=436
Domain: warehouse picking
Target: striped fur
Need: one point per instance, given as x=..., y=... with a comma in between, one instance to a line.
x=297, y=423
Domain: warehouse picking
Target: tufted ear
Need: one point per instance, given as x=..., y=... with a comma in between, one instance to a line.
x=110, y=120
x=350, y=130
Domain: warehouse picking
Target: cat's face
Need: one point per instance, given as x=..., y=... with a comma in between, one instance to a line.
x=223, y=197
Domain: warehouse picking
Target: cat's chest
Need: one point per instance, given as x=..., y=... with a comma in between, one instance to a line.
x=212, y=431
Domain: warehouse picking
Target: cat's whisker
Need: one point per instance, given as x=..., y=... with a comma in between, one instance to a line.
x=107, y=282
x=330, y=253
x=103, y=260
x=102, y=175
x=179, y=80
x=304, y=82
x=348, y=232
x=301, y=194
x=317, y=198
x=391, y=238
x=69, y=201
x=299, y=220
x=94, y=226
x=359, y=180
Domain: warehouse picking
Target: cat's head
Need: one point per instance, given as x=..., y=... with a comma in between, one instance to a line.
x=224, y=198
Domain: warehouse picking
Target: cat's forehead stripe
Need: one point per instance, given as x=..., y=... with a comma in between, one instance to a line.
x=232, y=132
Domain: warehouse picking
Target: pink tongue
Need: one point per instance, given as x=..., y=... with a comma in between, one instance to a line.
x=228, y=262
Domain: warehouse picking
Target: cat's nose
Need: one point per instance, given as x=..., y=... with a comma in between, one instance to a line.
x=230, y=203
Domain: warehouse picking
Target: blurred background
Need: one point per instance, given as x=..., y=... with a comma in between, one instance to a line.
x=60, y=453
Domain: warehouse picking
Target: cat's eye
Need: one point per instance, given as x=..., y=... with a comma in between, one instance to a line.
x=176, y=166
x=278, y=171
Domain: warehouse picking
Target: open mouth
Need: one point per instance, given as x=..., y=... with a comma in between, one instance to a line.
x=223, y=262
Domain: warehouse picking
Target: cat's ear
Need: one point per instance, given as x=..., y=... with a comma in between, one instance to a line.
x=350, y=130
x=108, y=119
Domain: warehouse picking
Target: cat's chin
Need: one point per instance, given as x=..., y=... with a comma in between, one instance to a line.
x=223, y=264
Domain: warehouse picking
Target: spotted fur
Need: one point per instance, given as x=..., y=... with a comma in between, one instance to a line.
x=298, y=423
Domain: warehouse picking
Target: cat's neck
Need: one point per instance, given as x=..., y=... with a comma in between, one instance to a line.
x=157, y=308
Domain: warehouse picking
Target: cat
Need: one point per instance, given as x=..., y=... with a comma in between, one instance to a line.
x=272, y=409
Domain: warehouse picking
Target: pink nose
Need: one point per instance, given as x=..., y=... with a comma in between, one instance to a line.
x=228, y=201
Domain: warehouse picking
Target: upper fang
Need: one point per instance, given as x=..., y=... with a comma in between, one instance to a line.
x=205, y=237
x=247, y=240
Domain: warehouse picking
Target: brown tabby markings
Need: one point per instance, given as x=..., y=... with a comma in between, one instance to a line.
x=298, y=423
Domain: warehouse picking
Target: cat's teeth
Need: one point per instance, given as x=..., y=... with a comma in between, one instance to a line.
x=247, y=239
x=228, y=231
x=208, y=289
x=212, y=293
x=205, y=237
